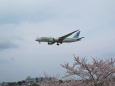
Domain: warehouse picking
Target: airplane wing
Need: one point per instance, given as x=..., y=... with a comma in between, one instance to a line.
x=65, y=36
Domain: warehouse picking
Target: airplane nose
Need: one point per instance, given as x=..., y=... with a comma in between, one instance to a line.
x=36, y=40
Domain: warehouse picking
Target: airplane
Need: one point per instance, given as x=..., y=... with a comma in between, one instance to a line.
x=60, y=40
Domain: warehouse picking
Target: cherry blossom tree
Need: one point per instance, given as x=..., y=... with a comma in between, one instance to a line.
x=96, y=73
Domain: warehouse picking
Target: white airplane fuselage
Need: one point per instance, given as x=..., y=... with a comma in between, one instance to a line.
x=50, y=39
x=60, y=40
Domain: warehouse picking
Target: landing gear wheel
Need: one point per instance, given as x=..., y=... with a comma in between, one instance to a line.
x=58, y=44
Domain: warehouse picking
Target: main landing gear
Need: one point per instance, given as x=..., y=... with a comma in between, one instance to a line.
x=58, y=43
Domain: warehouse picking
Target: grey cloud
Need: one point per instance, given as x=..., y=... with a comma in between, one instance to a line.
x=79, y=12
x=2, y=61
x=31, y=11
x=7, y=60
x=7, y=45
x=12, y=58
x=16, y=19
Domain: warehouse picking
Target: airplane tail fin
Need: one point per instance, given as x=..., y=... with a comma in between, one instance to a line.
x=77, y=35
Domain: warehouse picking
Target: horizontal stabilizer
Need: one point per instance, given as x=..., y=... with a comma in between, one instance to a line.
x=80, y=38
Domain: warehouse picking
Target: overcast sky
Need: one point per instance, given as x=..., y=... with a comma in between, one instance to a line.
x=22, y=21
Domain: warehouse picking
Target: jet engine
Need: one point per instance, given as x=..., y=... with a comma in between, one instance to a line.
x=50, y=43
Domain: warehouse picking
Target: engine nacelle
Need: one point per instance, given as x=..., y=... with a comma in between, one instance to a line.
x=50, y=43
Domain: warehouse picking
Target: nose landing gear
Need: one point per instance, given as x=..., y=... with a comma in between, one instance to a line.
x=39, y=42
